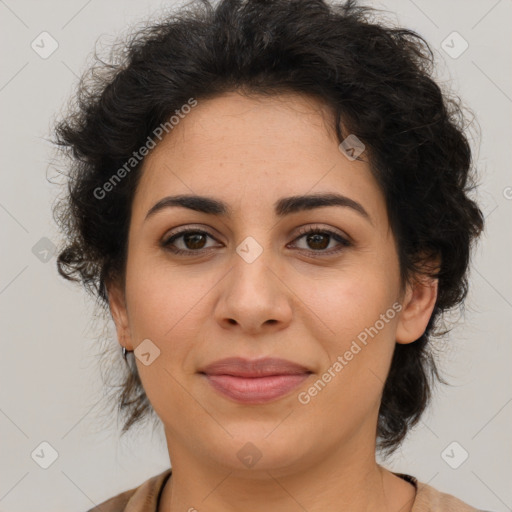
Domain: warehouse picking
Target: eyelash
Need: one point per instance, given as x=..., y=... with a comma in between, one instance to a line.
x=166, y=244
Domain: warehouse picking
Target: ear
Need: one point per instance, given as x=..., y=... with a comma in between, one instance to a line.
x=419, y=301
x=119, y=312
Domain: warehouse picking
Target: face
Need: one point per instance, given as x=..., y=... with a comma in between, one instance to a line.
x=251, y=283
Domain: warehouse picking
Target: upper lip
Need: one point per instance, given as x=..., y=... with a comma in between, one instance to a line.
x=240, y=367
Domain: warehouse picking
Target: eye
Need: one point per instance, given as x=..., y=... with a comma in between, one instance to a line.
x=193, y=239
x=319, y=239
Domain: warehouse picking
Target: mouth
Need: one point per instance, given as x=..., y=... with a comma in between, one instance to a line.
x=255, y=381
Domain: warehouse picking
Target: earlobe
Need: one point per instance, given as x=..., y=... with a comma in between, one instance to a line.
x=118, y=311
x=419, y=301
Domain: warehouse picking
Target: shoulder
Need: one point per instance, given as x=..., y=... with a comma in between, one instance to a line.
x=429, y=499
x=115, y=504
x=143, y=498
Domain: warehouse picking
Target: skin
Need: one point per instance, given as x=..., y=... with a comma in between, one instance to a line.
x=288, y=303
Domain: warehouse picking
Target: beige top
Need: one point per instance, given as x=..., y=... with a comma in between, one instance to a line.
x=144, y=498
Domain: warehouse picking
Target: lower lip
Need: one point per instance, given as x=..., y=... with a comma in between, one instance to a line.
x=257, y=390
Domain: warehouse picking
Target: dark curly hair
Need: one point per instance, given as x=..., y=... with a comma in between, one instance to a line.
x=376, y=78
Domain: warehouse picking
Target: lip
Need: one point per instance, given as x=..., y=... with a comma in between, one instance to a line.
x=254, y=381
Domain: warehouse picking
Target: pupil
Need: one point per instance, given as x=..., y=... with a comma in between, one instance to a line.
x=315, y=240
x=193, y=238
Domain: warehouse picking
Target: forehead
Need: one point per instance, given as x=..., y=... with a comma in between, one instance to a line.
x=256, y=148
x=238, y=128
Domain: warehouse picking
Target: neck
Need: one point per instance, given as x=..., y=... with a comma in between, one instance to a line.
x=357, y=484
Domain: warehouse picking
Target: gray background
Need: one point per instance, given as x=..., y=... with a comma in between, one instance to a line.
x=50, y=378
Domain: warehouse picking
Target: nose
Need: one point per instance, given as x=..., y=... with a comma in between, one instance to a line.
x=254, y=297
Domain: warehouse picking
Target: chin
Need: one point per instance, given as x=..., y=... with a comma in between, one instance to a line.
x=258, y=448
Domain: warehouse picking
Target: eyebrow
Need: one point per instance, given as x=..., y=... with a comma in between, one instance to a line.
x=282, y=207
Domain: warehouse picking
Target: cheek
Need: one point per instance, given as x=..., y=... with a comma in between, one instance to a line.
x=351, y=381
x=342, y=304
x=355, y=323
x=162, y=298
x=163, y=307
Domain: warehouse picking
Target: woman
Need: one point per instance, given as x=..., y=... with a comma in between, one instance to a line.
x=270, y=199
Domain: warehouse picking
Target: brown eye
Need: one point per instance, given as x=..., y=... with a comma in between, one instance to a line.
x=318, y=240
x=193, y=241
